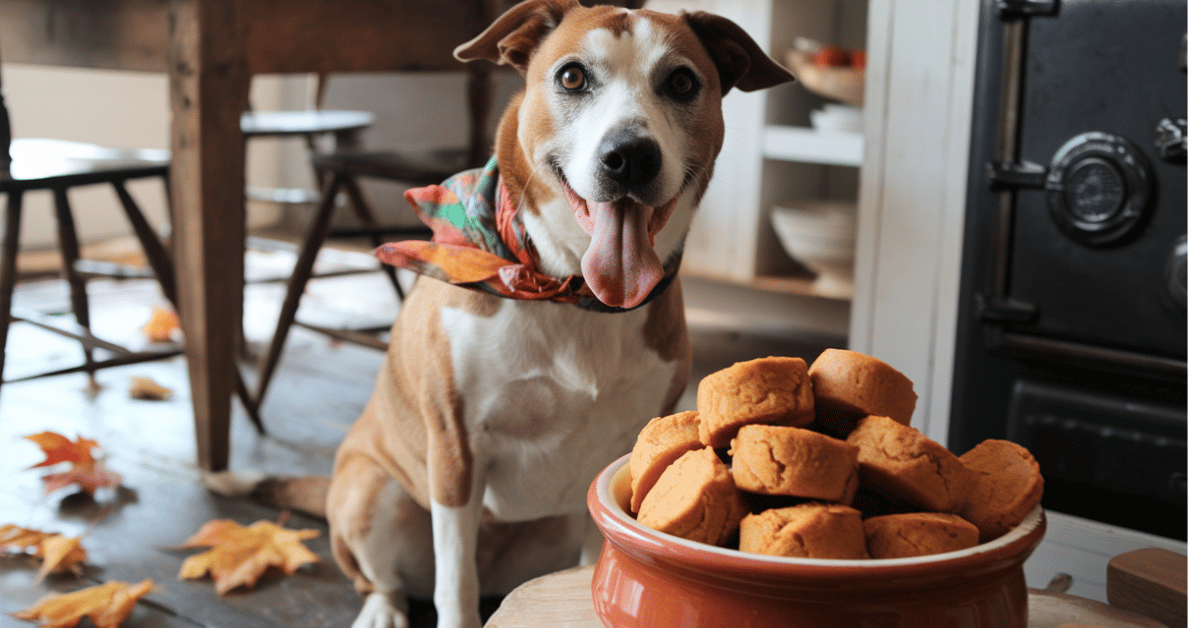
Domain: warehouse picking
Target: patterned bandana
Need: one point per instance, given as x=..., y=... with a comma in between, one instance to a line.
x=479, y=242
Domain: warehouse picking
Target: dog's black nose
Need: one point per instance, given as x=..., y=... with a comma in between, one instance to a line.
x=630, y=160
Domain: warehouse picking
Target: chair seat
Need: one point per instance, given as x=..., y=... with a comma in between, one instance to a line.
x=266, y=123
x=42, y=163
x=432, y=166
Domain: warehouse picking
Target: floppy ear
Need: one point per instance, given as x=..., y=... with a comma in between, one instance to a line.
x=513, y=37
x=740, y=62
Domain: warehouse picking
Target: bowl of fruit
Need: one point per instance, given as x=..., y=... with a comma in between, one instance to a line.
x=831, y=71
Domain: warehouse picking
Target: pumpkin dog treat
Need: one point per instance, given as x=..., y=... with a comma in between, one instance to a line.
x=810, y=530
x=1007, y=485
x=918, y=534
x=660, y=443
x=848, y=386
x=769, y=391
x=695, y=498
x=781, y=460
x=899, y=462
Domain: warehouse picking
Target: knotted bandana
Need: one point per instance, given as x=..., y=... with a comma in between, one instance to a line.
x=479, y=242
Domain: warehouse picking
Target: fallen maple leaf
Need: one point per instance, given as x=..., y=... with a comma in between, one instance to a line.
x=147, y=389
x=59, y=448
x=89, y=473
x=240, y=554
x=58, y=553
x=107, y=605
x=161, y=326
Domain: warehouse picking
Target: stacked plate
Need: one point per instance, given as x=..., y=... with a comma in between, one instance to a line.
x=820, y=235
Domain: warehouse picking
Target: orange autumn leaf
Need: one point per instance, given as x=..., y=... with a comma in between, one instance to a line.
x=58, y=553
x=89, y=478
x=241, y=554
x=162, y=324
x=87, y=472
x=107, y=605
x=59, y=448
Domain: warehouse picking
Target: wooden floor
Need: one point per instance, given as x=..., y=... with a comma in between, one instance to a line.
x=317, y=394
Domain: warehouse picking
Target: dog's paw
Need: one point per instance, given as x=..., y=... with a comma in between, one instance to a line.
x=379, y=612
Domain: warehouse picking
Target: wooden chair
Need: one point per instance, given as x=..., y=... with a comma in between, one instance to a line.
x=57, y=166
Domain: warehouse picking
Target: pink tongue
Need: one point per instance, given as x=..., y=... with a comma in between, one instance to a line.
x=620, y=266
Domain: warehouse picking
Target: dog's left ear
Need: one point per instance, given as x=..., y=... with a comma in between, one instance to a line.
x=740, y=62
x=513, y=37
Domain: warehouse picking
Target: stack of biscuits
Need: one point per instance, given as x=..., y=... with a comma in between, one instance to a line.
x=785, y=459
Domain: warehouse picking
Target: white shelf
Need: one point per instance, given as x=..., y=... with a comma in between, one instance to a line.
x=803, y=144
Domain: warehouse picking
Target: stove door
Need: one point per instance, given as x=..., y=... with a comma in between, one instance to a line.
x=1095, y=249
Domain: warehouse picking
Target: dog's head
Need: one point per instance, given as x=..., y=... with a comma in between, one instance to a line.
x=613, y=141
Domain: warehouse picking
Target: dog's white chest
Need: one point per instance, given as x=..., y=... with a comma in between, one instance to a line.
x=551, y=393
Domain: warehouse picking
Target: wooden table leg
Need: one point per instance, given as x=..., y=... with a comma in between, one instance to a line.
x=209, y=87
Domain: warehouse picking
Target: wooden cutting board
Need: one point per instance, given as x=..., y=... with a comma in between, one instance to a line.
x=564, y=600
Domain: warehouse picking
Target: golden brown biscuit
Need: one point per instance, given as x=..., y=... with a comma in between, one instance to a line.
x=781, y=460
x=660, y=443
x=810, y=530
x=918, y=534
x=848, y=385
x=900, y=463
x=770, y=391
x=1007, y=485
x=695, y=498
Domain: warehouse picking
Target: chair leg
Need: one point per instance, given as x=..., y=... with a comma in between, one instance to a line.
x=152, y=246
x=68, y=244
x=317, y=232
x=8, y=268
x=365, y=216
x=160, y=262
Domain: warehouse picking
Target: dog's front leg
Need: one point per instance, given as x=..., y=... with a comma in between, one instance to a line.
x=456, y=575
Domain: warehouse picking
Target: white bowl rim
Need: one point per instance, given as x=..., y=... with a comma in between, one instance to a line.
x=606, y=499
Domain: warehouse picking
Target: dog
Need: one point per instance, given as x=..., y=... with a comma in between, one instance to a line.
x=496, y=406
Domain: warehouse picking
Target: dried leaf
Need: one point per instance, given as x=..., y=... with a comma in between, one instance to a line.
x=240, y=555
x=87, y=472
x=107, y=605
x=58, y=553
x=14, y=536
x=59, y=448
x=89, y=478
x=162, y=325
x=148, y=389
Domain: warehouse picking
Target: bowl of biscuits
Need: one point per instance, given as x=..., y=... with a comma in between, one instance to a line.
x=798, y=495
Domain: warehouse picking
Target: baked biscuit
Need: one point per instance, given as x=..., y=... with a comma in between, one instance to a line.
x=900, y=463
x=695, y=498
x=781, y=460
x=848, y=386
x=660, y=443
x=810, y=530
x=1007, y=485
x=770, y=391
x=918, y=534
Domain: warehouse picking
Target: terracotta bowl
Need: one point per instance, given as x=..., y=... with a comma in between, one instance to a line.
x=645, y=578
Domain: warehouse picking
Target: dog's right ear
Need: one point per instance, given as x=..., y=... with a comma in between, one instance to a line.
x=513, y=37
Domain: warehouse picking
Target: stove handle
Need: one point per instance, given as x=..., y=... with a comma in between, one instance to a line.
x=1098, y=186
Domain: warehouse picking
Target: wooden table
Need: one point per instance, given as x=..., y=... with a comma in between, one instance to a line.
x=564, y=600
x=210, y=49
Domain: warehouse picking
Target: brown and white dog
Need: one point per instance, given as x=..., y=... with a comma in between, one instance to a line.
x=467, y=472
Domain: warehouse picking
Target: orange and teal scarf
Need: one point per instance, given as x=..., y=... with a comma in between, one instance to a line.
x=479, y=242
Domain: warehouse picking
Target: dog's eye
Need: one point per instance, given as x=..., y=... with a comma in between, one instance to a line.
x=572, y=78
x=682, y=83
